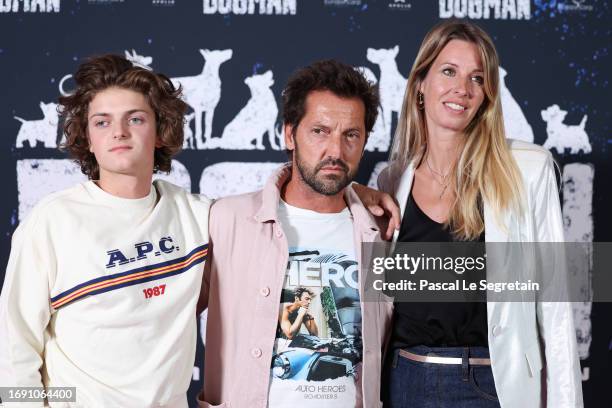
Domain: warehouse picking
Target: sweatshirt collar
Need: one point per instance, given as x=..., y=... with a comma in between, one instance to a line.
x=129, y=204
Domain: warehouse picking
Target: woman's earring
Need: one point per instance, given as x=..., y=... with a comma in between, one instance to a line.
x=420, y=100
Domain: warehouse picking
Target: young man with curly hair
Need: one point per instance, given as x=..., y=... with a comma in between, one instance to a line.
x=101, y=287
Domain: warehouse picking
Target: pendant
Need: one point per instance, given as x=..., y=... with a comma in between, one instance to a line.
x=443, y=191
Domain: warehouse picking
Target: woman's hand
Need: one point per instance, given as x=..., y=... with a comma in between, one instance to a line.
x=380, y=205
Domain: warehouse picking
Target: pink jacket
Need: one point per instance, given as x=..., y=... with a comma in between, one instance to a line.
x=242, y=287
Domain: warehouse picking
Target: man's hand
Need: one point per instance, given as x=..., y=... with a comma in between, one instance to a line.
x=305, y=314
x=380, y=205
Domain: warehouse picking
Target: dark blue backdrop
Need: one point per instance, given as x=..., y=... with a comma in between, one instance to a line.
x=555, y=56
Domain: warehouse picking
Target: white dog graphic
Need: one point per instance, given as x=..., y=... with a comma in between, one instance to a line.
x=515, y=122
x=188, y=142
x=136, y=60
x=379, y=138
x=578, y=227
x=139, y=60
x=562, y=136
x=202, y=92
x=257, y=118
x=391, y=85
x=42, y=130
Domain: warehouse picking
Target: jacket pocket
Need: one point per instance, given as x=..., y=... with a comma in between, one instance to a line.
x=534, y=359
x=204, y=404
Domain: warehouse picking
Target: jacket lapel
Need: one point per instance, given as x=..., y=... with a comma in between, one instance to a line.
x=401, y=193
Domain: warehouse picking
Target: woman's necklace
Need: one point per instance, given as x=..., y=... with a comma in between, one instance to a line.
x=445, y=179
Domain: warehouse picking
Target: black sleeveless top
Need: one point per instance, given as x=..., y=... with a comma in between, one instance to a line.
x=435, y=324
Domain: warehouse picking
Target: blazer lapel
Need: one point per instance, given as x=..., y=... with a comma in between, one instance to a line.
x=403, y=190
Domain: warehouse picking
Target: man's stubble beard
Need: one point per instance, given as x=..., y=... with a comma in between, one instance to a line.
x=330, y=185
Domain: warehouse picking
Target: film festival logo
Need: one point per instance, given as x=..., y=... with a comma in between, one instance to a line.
x=486, y=9
x=104, y=2
x=241, y=7
x=163, y=3
x=578, y=5
x=341, y=3
x=400, y=5
x=29, y=6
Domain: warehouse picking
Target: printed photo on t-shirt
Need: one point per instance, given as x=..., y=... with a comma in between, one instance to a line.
x=318, y=349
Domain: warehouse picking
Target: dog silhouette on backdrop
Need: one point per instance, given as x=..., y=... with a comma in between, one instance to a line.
x=379, y=138
x=139, y=60
x=136, y=60
x=577, y=211
x=202, y=92
x=562, y=136
x=391, y=84
x=41, y=130
x=254, y=120
x=188, y=142
x=515, y=122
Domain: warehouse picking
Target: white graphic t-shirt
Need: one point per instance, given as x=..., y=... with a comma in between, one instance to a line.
x=318, y=349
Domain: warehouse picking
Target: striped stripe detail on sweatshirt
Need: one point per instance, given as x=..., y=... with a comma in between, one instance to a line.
x=133, y=277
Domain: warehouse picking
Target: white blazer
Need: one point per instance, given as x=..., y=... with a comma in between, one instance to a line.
x=532, y=345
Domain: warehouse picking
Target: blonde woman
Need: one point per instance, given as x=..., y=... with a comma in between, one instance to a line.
x=457, y=178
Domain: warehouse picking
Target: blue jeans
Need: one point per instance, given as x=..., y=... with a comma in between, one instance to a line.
x=412, y=384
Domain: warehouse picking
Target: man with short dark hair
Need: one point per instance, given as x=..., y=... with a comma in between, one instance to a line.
x=303, y=230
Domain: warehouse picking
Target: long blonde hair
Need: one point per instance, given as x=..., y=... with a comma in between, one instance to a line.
x=485, y=169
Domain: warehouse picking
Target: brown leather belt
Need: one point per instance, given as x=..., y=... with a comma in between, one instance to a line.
x=443, y=360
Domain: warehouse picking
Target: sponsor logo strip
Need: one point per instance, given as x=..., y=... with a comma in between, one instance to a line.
x=134, y=277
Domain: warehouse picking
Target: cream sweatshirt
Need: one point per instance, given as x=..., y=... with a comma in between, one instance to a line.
x=100, y=294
